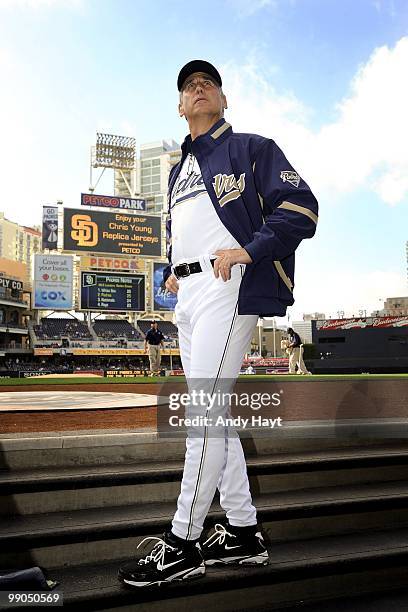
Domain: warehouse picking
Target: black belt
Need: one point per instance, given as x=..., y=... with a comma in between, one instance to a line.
x=185, y=269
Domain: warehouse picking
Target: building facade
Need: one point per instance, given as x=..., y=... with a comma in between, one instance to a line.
x=151, y=177
x=395, y=306
x=150, y=183
x=19, y=243
x=304, y=329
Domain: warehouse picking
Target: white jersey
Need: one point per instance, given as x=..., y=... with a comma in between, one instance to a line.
x=196, y=228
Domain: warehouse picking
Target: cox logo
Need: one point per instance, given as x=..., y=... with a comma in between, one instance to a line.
x=53, y=295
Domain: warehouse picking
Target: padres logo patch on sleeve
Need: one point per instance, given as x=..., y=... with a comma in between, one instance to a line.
x=291, y=177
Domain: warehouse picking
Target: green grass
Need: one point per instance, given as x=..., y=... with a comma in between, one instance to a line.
x=161, y=379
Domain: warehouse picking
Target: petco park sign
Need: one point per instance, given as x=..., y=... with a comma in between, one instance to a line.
x=90, y=199
x=111, y=263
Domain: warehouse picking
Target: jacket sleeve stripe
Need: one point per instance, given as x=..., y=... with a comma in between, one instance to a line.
x=299, y=209
x=259, y=195
x=283, y=275
x=220, y=130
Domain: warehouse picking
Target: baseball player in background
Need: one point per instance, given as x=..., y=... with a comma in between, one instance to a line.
x=154, y=339
x=237, y=212
x=295, y=349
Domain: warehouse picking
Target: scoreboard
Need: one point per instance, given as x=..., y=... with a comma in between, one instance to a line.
x=112, y=292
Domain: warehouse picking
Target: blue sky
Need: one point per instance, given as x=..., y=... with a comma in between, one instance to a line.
x=325, y=78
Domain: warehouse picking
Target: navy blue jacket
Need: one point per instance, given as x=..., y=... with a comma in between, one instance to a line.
x=295, y=339
x=263, y=203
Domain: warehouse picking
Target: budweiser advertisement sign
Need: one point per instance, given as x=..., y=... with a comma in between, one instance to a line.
x=266, y=361
x=362, y=323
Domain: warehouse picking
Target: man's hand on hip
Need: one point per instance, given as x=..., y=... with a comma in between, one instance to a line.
x=226, y=258
x=171, y=284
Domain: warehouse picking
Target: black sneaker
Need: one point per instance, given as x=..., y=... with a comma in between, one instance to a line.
x=171, y=558
x=234, y=545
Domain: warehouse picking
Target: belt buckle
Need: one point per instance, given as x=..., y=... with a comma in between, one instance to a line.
x=185, y=270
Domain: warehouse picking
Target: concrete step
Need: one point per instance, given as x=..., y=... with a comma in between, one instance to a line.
x=79, y=487
x=395, y=600
x=65, y=449
x=101, y=534
x=316, y=569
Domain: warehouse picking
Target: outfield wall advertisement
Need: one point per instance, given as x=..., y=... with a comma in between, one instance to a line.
x=363, y=323
x=118, y=351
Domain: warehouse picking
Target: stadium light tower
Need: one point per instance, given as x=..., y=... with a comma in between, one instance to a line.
x=115, y=152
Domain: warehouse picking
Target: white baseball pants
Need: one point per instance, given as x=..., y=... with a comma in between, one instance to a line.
x=213, y=339
x=296, y=359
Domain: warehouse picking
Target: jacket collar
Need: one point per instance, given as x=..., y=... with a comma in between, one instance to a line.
x=205, y=143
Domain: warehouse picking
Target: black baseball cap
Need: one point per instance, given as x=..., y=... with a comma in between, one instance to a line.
x=198, y=66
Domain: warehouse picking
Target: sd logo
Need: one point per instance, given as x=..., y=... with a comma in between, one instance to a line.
x=84, y=230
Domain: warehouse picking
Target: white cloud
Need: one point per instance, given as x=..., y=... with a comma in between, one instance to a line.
x=392, y=185
x=366, y=146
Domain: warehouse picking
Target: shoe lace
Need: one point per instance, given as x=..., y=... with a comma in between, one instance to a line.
x=157, y=553
x=219, y=535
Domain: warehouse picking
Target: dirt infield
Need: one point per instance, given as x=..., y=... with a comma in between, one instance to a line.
x=76, y=421
x=65, y=420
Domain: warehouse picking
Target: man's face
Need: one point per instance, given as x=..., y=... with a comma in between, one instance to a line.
x=201, y=95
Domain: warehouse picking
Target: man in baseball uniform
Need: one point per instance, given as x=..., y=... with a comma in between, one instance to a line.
x=237, y=212
x=295, y=347
x=154, y=338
